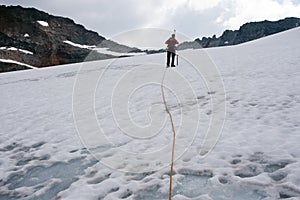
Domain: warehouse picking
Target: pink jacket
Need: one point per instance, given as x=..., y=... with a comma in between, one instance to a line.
x=171, y=42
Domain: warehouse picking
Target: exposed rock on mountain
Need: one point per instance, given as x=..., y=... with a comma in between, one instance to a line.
x=36, y=38
x=247, y=32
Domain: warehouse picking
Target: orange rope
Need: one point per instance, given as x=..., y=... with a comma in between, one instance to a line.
x=174, y=133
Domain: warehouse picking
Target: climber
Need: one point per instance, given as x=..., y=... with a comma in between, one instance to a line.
x=171, y=50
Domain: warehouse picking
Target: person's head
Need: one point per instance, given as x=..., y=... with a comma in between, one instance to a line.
x=173, y=35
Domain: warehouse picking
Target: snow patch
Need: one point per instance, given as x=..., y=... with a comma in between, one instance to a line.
x=25, y=51
x=16, y=49
x=80, y=45
x=43, y=23
x=12, y=49
x=102, y=50
x=16, y=62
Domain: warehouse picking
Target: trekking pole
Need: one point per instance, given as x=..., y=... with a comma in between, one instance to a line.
x=176, y=54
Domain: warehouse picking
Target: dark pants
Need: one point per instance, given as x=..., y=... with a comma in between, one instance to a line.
x=169, y=54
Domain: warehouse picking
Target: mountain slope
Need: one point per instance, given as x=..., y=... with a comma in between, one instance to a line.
x=52, y=120
x=40, y=39
x=247, y=32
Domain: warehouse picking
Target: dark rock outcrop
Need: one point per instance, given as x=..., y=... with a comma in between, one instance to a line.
x=8, y=67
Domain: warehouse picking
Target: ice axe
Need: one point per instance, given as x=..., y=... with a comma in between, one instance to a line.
x=176, y=54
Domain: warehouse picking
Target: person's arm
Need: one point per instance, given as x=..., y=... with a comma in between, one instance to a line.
x=168, y=41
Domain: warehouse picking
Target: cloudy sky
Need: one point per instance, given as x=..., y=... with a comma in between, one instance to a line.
x=193, y=18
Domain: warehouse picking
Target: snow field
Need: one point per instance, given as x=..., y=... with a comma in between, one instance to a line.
x=42, y=151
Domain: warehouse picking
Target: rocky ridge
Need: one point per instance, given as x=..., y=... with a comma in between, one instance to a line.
x=39, y=39
x=247, y=32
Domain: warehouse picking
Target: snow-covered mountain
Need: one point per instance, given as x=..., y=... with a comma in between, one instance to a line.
x=99, y=130
x=32, y=38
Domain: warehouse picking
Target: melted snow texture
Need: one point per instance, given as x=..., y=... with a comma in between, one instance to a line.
x=257, y=157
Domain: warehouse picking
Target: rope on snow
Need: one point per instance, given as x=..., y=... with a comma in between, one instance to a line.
x=174, y=133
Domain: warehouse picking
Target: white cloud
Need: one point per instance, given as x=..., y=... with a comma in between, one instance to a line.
x=206, y=17
x=195, y=18
x=187, y=16
x=157, y=13
x=202, y=5
x=241, y=11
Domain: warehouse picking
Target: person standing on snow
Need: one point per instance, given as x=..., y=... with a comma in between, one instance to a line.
x=171, y=49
